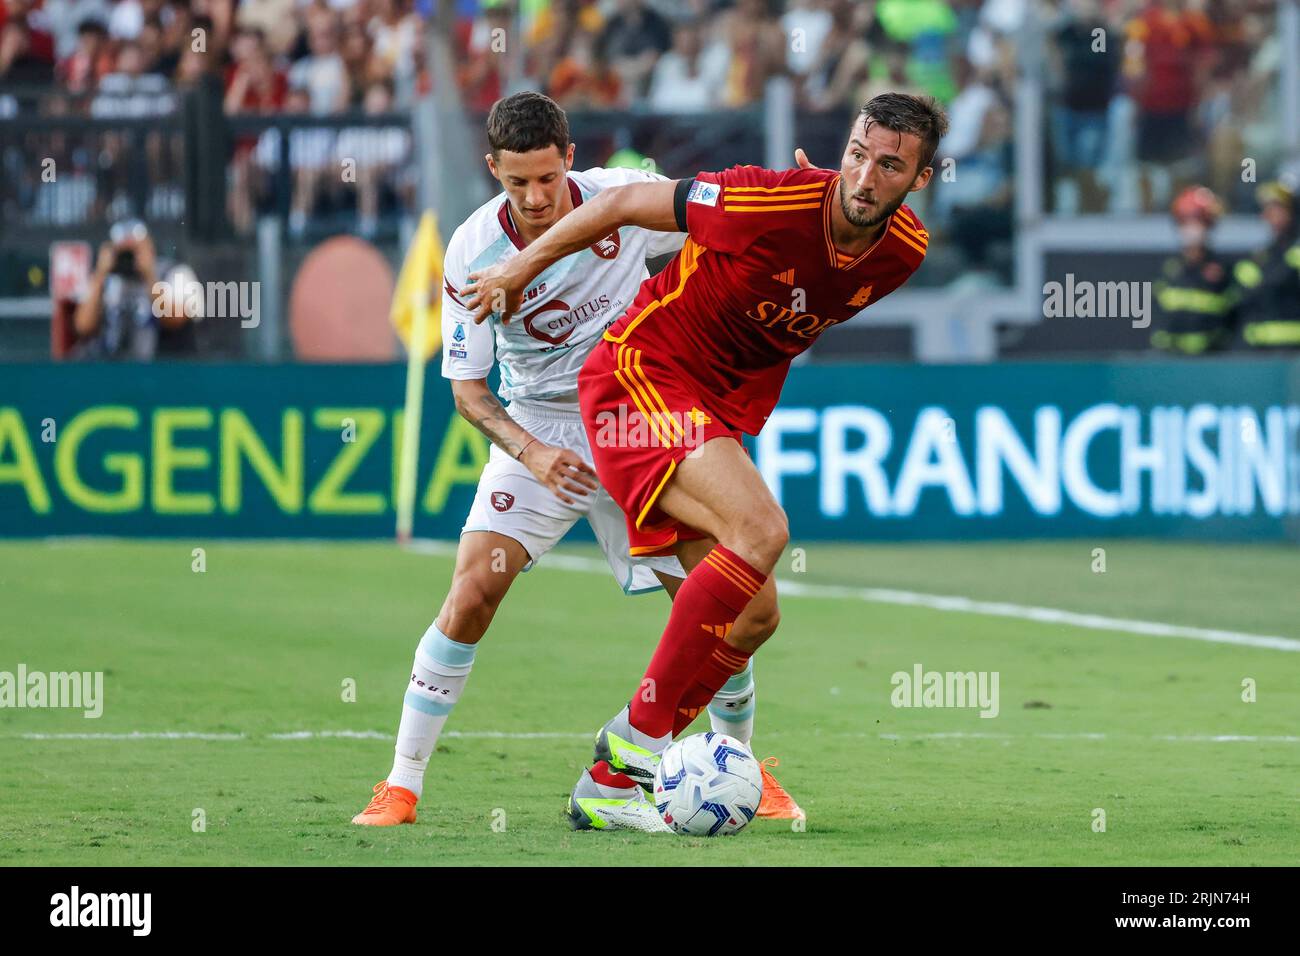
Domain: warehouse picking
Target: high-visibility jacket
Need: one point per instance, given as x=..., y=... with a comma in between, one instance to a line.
x=1193, y=305
x=1267, y=286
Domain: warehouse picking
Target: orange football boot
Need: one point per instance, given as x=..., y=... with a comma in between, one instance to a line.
x=776, y=803
x=389, y=807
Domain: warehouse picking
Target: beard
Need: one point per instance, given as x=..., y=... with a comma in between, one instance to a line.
x=866, y=221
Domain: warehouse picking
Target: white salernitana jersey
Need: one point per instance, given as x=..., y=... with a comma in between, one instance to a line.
x=564, y=310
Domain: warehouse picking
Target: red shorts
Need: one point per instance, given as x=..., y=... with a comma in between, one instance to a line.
x=642, y=419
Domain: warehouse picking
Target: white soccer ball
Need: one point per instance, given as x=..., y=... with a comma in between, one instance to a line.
x=707, y=785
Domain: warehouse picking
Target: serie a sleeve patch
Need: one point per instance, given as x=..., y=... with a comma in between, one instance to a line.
x=706, y=194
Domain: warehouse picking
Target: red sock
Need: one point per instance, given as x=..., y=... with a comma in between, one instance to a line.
x=607, y=776
x=704, y=610
x=717, y=670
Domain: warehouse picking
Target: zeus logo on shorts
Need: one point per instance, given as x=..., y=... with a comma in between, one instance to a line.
x=502, y=500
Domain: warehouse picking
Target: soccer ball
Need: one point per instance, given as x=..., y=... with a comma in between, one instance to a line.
x=707, y=785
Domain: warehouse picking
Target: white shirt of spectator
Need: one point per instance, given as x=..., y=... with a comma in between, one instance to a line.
x=674, y=90
x=565, y=309
x=323, y=77
x=126, y=20
x=395, y=44
x=816, y=23
x=62, y=17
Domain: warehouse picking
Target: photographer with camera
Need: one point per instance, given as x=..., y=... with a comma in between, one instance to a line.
x=116, y=319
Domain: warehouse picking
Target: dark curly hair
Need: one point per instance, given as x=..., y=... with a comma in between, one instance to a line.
x=527, y=121
x=922, y=116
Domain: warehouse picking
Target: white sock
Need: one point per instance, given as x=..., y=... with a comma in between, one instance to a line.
x=437, y=678
x=731, y=711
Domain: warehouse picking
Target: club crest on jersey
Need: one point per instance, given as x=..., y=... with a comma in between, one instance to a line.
x=706, y=194
x=860, y=298
x=608, y=247
x=502, y=500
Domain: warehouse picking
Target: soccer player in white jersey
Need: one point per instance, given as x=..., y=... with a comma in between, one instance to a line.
x=539, y=480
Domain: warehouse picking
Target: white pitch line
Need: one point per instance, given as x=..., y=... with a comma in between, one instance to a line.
x=1227, y=739
x=294, y=735
x=325, y=734
x=298, y=735
x=1173, y=738
x=949, y=603
x=470, y=734
x=134, y=735
x=1042, y=615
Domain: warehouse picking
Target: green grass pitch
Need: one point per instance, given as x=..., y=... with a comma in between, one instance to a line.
x=263, y=641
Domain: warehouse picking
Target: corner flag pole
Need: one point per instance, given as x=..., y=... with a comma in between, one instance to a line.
x=411, y=422
x=412, y=314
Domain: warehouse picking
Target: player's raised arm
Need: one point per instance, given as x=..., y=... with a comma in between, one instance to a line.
x=648, y=205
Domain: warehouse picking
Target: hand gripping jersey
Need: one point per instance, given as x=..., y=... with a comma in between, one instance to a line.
x=757, y=281
x=564, y=310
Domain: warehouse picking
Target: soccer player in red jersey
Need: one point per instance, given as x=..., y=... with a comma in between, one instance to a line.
x=771, y=260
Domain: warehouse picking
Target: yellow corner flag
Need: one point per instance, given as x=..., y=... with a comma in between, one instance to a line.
x=416, y=315
x=417, y=300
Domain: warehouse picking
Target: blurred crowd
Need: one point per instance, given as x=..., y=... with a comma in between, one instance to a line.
x=261, y=50
x=264, y=58
x=1142, y=97
x=1189, y=93
x=1145, y=94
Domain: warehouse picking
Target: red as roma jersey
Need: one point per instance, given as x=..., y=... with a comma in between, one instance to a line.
x=757, y=281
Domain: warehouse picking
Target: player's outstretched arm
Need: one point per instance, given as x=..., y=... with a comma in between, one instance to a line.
x=500, y=288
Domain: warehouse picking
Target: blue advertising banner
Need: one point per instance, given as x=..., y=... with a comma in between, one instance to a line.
x=1168, y=449
x=224, y=451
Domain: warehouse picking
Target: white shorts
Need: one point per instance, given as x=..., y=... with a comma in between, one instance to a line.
x=510, y=501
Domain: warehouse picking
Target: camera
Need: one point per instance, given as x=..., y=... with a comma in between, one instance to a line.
x=124, y=235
